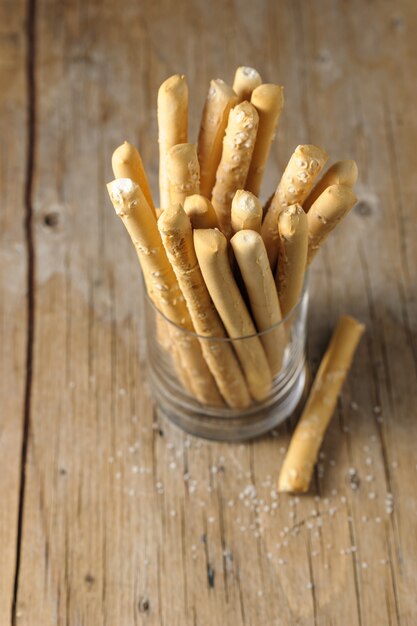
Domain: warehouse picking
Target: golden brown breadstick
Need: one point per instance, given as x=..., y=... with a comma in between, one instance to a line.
x=325, y=214
x=292, y=256
x=211, y=250
x=127, y=163
x=245, y=81
x=296, y=182
x=200, y=211
x=231, y=174
x=246, y=213
x=183, y=172
x=340, y=173
x=177, y=237
x=250, y=253
x=131, y=206
x=297, y=470
x=268, y=100
x=220, y=99
x=172, y=126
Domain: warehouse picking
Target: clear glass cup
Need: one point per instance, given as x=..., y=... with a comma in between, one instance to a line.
x=176, y=403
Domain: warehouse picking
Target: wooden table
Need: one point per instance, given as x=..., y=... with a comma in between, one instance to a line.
x=107, y=517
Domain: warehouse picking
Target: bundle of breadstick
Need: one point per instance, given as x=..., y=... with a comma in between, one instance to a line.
x=215, y=261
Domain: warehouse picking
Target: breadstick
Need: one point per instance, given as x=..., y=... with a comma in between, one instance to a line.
x=292, y=256
x=268, y=100
x=130, y=204
x=220, y=99
x=296, y=182
x=246, y=212
x=297, y=470
x=183, y=172
x=200, y=211
x=250, y=253
x=211, y=250
x=325, y=214
x=340, y=173
x=172, y=126
x=127, y=163
x=231, y=174
x=245, y=81
x=177, y=237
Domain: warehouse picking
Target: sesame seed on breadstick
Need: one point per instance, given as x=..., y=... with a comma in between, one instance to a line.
x=233, y=168
x=292, y=256
x=245, y=81
x=297, y=469
x=299, y=176
x=325, y=214
x=220, y=99
x=340, y=173
x=183, y=172
x=176, y=232
x=131, y=206
x=268, y=100
x=200, y=211
x=172, y=126
x=211, y=250
x=246, y=213
x=127, y=163
x=250, y=253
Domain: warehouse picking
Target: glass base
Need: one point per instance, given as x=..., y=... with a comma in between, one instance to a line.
x=238, y=425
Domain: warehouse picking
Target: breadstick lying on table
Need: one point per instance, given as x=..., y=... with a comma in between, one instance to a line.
x=299, y=176
x=245, y=81
x=246, y=213
x=183, y=172
x=131, y=206
x=211, y=250
x=200, y=211
x=233, y=168
x=340, y=173
x=177, y=237
x=292, y=256
x=127, y=163
x=297, y=470
x=220, y=99
x=325, y=214
x=172, y=126
x=250, y=253
x=268, y=100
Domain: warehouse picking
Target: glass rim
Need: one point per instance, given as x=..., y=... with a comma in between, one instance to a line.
x=262, y=333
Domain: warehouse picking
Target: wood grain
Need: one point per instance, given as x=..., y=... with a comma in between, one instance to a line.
x=110, y=517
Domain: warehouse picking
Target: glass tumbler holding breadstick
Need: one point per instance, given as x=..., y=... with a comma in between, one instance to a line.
x=179, y=396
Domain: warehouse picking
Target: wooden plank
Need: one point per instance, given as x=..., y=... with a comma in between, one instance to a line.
x=131, y=522
x=13, y=286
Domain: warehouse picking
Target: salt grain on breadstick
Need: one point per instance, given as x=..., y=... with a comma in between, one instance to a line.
x=325, y=214
x=299, y=176
x=233, y=168
x=268, y=100
x=245, y=81
x=292, y=256
x=183, y=172
x=211, y=250
x=297, y=470
x=177, y=237
x=340, y=173
x=220, y=99
x=246, y=213
x=200, y=211
x=250, y=253
x=131, y=206
x=172, y=126
x=127, y=163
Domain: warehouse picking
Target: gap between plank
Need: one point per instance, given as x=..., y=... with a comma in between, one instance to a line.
x=30, y=280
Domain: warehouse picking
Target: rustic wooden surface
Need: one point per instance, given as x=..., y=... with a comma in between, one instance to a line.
x=107, y=517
